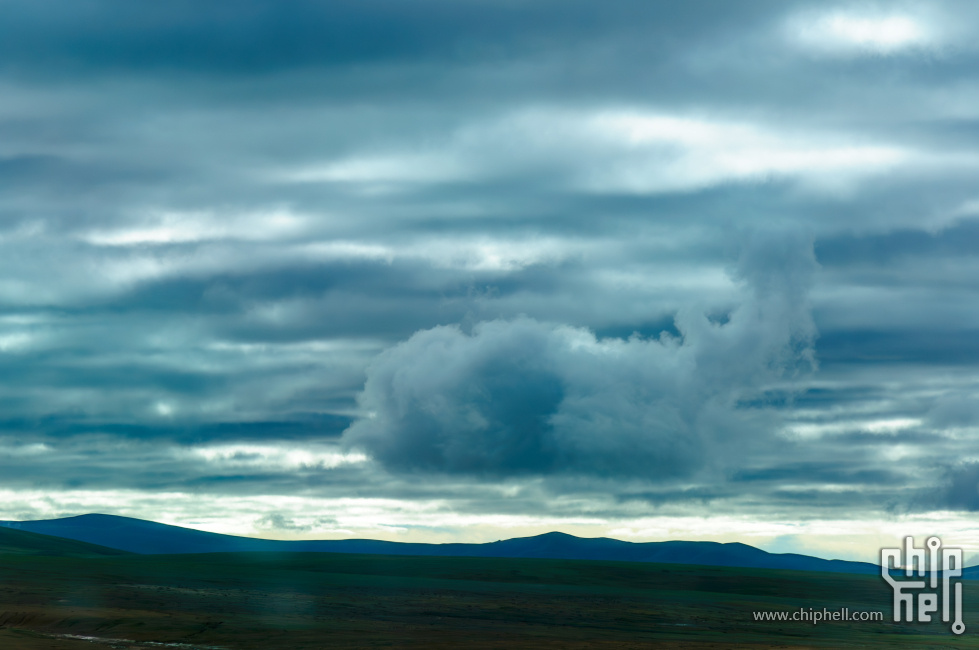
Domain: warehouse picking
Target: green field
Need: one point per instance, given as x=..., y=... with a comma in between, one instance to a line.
x=320, y=600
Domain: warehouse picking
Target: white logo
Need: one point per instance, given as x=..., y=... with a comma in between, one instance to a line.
x=914, y=562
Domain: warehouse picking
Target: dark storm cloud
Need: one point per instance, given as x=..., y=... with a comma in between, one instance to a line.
x=960, y=489
x=901, y=347
x=836, y=472
x=251, y=36
x=900, y=246
x=303, y=426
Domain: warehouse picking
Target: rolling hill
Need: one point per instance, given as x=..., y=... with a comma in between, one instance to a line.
x=22, y=542
x=148, y=537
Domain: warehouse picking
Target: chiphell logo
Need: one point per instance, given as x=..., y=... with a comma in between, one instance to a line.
x=935, y=562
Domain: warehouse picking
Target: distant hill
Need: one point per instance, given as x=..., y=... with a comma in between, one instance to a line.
x=22, y=542
x=148, y=537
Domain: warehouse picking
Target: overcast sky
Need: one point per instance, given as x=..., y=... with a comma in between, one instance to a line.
x=446, y=270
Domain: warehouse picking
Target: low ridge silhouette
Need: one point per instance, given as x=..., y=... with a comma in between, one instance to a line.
x=149, y=537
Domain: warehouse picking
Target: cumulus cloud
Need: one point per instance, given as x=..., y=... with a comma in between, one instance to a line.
x=522, y=396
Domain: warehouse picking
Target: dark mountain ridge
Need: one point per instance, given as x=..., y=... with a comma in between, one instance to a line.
x=148, y=537
x=22, y=542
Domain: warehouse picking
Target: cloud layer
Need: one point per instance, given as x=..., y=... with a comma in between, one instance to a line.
x=450, y=267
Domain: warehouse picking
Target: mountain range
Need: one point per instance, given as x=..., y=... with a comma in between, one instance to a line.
x=149, y=537
x=21, y=542
x=96, y=534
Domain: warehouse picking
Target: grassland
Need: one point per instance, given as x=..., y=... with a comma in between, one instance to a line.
x=319, y=600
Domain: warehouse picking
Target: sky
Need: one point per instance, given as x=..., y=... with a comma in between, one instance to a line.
x=467, y=270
